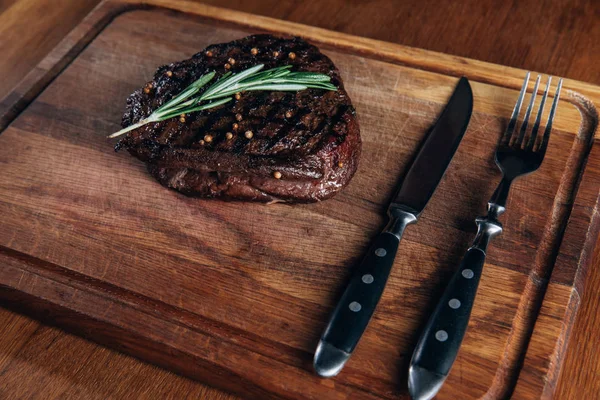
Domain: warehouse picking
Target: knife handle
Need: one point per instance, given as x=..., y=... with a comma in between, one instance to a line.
x=357, y=304
x=440, y=340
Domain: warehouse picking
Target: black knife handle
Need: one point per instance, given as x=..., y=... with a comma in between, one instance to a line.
x=440, y=340
x=356, y=306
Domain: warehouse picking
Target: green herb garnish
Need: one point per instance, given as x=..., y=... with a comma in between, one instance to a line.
x=221, y=92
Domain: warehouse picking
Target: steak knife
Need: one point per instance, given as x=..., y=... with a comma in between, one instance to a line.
x=357, y=304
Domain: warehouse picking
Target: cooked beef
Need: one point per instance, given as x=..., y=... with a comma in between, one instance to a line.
x=305, y=145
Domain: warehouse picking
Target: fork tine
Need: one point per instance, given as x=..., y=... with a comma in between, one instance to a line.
x=538, y=119
x=515, y=114
x=519, y=141
x=546, y=137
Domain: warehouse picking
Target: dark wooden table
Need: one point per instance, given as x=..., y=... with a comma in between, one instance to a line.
x=560, y=37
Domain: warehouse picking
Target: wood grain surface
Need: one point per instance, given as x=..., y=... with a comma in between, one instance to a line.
x=31, y=28
x=40, y=362
x=570, y=29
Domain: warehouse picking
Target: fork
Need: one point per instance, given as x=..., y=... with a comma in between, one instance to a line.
x=517, y=154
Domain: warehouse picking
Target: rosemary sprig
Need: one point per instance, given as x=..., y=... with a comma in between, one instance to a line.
x=220, y=92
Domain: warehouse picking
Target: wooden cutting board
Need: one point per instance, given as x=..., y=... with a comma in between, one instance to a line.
x=237, y=294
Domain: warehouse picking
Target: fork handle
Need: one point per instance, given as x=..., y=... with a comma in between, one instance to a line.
x=440, y=340
x=442, y=336
x=497, y=204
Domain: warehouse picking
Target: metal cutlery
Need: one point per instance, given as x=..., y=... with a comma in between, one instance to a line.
x=517, y=154
x=357, y=304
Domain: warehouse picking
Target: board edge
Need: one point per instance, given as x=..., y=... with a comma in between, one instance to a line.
x=84, y=33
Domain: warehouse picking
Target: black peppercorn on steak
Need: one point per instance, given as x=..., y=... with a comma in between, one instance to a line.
x=292, y=146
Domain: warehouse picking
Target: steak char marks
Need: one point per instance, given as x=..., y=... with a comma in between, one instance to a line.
x=265, y=146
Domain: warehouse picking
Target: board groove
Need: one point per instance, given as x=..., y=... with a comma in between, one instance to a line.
x=143, y=304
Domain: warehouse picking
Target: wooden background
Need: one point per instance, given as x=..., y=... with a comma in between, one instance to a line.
x=559, y=38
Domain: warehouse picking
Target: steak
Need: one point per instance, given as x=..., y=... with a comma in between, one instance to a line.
x=264, y=146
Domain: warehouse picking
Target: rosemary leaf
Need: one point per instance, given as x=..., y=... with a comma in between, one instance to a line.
x=132, y=127
x=281, y=87
x=194, y=109
x=204, y=79
x=253, y=87
x=326, y=86
x=231, y=80
x=270, y=73
x=188, y=92
x=161, y=112
x=309, y=76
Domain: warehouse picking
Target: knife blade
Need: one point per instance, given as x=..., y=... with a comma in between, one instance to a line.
x=359, y=300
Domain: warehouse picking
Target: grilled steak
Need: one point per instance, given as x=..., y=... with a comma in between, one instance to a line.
x=265, y=145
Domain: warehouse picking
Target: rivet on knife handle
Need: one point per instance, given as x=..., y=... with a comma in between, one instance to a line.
x=356, y=306
x=354, y=310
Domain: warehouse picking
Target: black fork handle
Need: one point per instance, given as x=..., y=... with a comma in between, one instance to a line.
x=442, y=336
x=500, y=196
